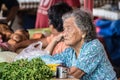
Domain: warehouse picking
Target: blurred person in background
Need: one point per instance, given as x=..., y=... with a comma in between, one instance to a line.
x=12, y=8
x=44, y=5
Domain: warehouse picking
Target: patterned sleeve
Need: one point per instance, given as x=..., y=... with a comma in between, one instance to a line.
x=62, y=56
x=90, y=57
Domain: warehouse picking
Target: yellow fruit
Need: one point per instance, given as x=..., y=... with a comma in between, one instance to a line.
x=53, y=67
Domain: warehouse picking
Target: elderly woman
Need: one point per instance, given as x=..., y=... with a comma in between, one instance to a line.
x=86, y=56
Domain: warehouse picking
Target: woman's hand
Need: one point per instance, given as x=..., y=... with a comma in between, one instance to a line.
x=76, y=72
x=58, y=38
x=53, y=43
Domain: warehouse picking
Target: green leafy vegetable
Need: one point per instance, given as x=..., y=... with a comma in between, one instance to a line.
x=34, y=69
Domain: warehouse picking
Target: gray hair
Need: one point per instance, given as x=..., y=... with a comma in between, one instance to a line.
x=84, y=21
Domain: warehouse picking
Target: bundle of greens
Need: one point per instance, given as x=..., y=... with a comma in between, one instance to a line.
x=34, y=69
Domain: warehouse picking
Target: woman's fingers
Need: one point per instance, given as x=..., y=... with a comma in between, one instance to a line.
x=72, y=70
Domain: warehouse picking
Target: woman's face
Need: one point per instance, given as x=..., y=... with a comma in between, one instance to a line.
x=72, y=34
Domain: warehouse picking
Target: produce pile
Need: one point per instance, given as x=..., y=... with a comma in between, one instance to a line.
x=34, y=69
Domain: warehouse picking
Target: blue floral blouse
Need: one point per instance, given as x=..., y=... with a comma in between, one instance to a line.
x=92, y=60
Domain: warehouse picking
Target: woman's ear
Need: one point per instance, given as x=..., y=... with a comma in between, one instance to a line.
x=51, y=27
x=83, y=35
x=53, y=30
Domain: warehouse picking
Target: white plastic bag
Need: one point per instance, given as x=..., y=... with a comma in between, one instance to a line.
x=31, y=51
x=36, y=52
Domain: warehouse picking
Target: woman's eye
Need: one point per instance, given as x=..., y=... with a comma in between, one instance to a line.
x=69, y=29
x=64, y=29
